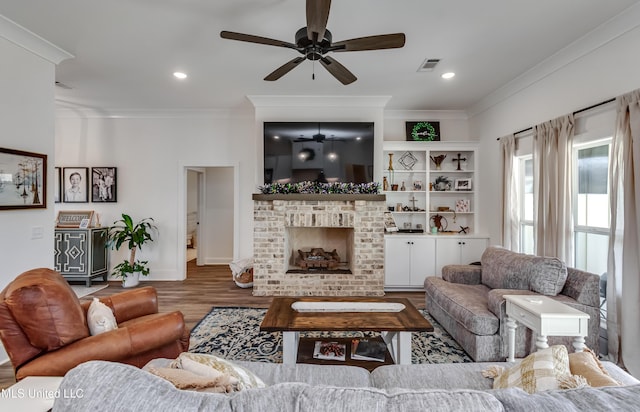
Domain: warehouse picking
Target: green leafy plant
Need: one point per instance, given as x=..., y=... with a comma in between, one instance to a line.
x=124, y=269
x=134, y=235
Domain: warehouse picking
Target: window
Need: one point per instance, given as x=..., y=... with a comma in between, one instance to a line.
x=591, y=206
x=525, y=193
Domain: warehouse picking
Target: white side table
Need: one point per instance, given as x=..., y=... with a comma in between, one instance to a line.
x=32, y=394
x=546, y=317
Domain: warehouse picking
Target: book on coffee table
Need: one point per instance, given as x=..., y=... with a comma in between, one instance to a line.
x=369, y=350
x=330, y=350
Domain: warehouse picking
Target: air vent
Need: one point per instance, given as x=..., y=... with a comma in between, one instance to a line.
x=428, y=65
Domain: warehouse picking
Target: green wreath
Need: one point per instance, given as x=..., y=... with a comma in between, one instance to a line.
x=428, y=135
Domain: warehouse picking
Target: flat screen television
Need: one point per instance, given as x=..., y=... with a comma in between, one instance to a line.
x=318, y=152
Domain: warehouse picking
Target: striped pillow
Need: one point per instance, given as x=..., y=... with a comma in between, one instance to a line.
x=542, y=370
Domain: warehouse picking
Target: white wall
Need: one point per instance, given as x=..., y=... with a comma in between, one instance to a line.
x=570, y=81
x=454, y=125
x=151, y=152
x=192, y=191
x=219, y=215
x=26, y=123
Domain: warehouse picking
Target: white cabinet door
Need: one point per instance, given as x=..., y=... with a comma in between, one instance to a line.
x=423, y=260
x=472, y=250
x=447, y=253
x=458, y=251
x=408, y=260
x=397, y=261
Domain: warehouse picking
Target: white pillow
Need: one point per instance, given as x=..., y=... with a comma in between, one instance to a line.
x=100, y=318
x=245, y=379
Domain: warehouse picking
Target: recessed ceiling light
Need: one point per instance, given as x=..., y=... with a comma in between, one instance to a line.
x=180, y=75
x=276, y=137
x=359, y=138
x=448, y=75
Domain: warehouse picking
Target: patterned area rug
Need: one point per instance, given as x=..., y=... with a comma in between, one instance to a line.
x=234, y=333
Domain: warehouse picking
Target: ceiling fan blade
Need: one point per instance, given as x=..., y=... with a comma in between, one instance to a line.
x=256, y=39
x=317, y=17
x=383, y=41
x=337, y=70
x=284, y=69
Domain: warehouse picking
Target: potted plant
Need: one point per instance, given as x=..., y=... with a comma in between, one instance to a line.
x=124, y=231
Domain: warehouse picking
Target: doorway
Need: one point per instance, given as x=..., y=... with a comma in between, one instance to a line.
x=209, y=215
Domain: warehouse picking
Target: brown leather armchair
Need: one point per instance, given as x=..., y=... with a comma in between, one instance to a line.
x=44, y=330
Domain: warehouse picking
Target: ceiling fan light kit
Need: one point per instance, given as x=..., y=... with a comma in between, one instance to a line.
x=314, y=42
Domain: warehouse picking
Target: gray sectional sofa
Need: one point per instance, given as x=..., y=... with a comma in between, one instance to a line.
x=468, y=300
x=107, y=386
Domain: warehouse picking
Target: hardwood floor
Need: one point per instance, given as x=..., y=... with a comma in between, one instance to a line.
x=204, y=288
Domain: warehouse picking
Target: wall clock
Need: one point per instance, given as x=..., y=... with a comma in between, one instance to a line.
x=425, y=131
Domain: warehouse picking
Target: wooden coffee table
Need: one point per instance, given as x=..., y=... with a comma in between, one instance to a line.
x=395, y=326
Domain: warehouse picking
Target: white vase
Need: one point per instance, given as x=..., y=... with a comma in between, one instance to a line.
x=132, y=280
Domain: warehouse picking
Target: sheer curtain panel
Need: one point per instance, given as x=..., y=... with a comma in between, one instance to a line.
x=552, y=159
x=623, y=273
x=510, y=212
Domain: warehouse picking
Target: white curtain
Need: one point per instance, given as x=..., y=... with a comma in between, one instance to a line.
x=510, y=212
x=623, y=272
x=552, y=162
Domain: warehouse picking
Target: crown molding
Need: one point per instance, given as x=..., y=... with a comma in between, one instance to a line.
x=426, y=114
x=18, y=35
x=318, y=101
x=89, y=112
x=607, y=32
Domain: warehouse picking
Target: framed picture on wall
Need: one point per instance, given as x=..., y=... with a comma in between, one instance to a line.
x=104, y=184
x=23, y=179
x=76, y=184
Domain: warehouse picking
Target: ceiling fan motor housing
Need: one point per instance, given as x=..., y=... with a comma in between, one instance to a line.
x=307, y=47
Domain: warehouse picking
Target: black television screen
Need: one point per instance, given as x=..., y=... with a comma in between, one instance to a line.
x=318, y=151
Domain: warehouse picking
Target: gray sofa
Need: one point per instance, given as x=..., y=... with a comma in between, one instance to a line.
x=468, y=300
x=107, y=386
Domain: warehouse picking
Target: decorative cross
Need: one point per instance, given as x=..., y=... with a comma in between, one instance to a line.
x=463, y=229
x=459, y=159
x=413, y=200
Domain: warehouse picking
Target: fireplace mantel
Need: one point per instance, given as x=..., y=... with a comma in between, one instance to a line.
x=319, y=196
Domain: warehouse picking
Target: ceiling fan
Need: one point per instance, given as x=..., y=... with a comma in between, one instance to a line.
x=314, y=42
x=318, y=137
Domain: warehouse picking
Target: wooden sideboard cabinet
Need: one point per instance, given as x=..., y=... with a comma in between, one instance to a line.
x=81, y=255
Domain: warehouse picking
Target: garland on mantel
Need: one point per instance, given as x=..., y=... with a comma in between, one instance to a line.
x=371, y=188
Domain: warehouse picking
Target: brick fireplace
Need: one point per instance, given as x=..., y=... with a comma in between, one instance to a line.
x=351, y=224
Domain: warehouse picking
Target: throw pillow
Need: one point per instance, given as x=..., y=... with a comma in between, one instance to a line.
x=542, y=370
x=246, y=379
x=100, y=319
x=586, y=364
x=504, y=269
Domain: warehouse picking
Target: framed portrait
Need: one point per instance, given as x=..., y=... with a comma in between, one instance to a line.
x=75, y=181
x=57, y=192
x=104, y=184
x=462, y=184
x=425, y=131
x=74, y=218
x=23, y=179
